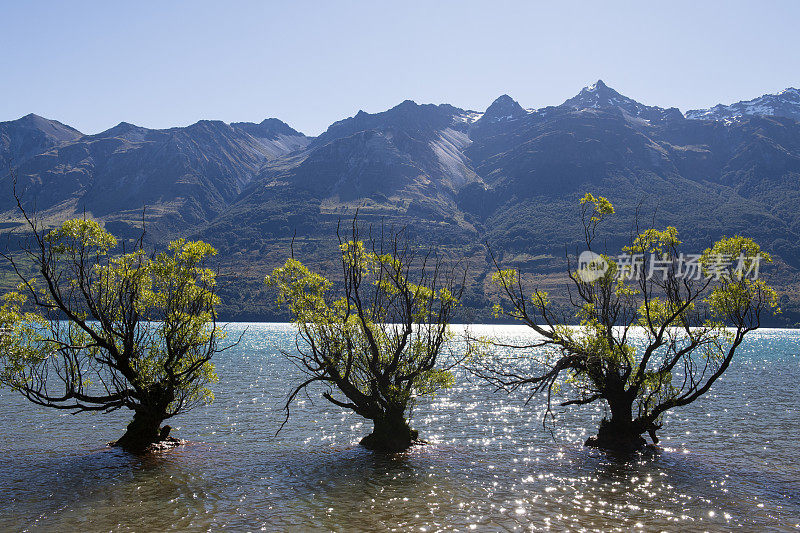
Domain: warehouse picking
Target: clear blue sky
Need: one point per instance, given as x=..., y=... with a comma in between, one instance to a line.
x=160, y=64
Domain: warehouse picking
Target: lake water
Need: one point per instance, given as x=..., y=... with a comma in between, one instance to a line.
x=729, y=461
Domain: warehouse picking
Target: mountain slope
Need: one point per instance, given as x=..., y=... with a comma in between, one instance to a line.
x=455, y=179
x=783, y=104
x=601, y=97
x=28, y=136
x=526, y=172
x=407, y=159
x=183, y=176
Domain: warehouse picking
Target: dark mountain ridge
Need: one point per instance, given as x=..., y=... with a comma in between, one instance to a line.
x=31, y=135
x=184, y=176
x=456, y=178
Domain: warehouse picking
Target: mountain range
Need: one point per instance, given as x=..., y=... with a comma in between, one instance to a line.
x=459, y=179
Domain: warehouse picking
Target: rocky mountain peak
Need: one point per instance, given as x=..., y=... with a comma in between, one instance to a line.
x=30, y=135
x=503, y=108
x=599, y=86
x=123, y=129
x=420, y=121
x=269, y=128
x=600, y=96
x=48, y=127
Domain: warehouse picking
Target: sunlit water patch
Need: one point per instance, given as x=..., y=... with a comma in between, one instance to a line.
x=728, y=461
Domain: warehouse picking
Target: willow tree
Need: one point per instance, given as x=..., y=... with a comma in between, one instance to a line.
x=657, y=327
x=96, y=330
x=376, y=340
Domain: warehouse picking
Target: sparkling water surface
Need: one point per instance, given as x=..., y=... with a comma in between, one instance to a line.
x=729, y=461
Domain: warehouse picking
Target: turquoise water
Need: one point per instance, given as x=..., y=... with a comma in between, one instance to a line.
x=729, y=461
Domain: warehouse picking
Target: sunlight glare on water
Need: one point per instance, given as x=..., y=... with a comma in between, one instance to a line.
x=727, y=461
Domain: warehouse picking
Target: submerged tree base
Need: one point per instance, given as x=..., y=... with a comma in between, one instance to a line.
x=620, y=444
x=617, y=438
x=391, y=439
x=135, y=441
x=159, y=446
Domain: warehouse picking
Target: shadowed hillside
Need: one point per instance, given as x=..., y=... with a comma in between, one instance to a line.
x=456, y=179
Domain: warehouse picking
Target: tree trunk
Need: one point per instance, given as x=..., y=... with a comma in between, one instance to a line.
x=144, y=430
x=620, y=434
x=390, y=435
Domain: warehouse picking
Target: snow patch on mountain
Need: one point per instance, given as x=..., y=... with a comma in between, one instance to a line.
x=468, y=117
x=503, y=109
x=600, y=96
x=783, y=104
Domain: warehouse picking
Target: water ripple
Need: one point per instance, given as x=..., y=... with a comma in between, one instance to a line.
x=728, y=461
